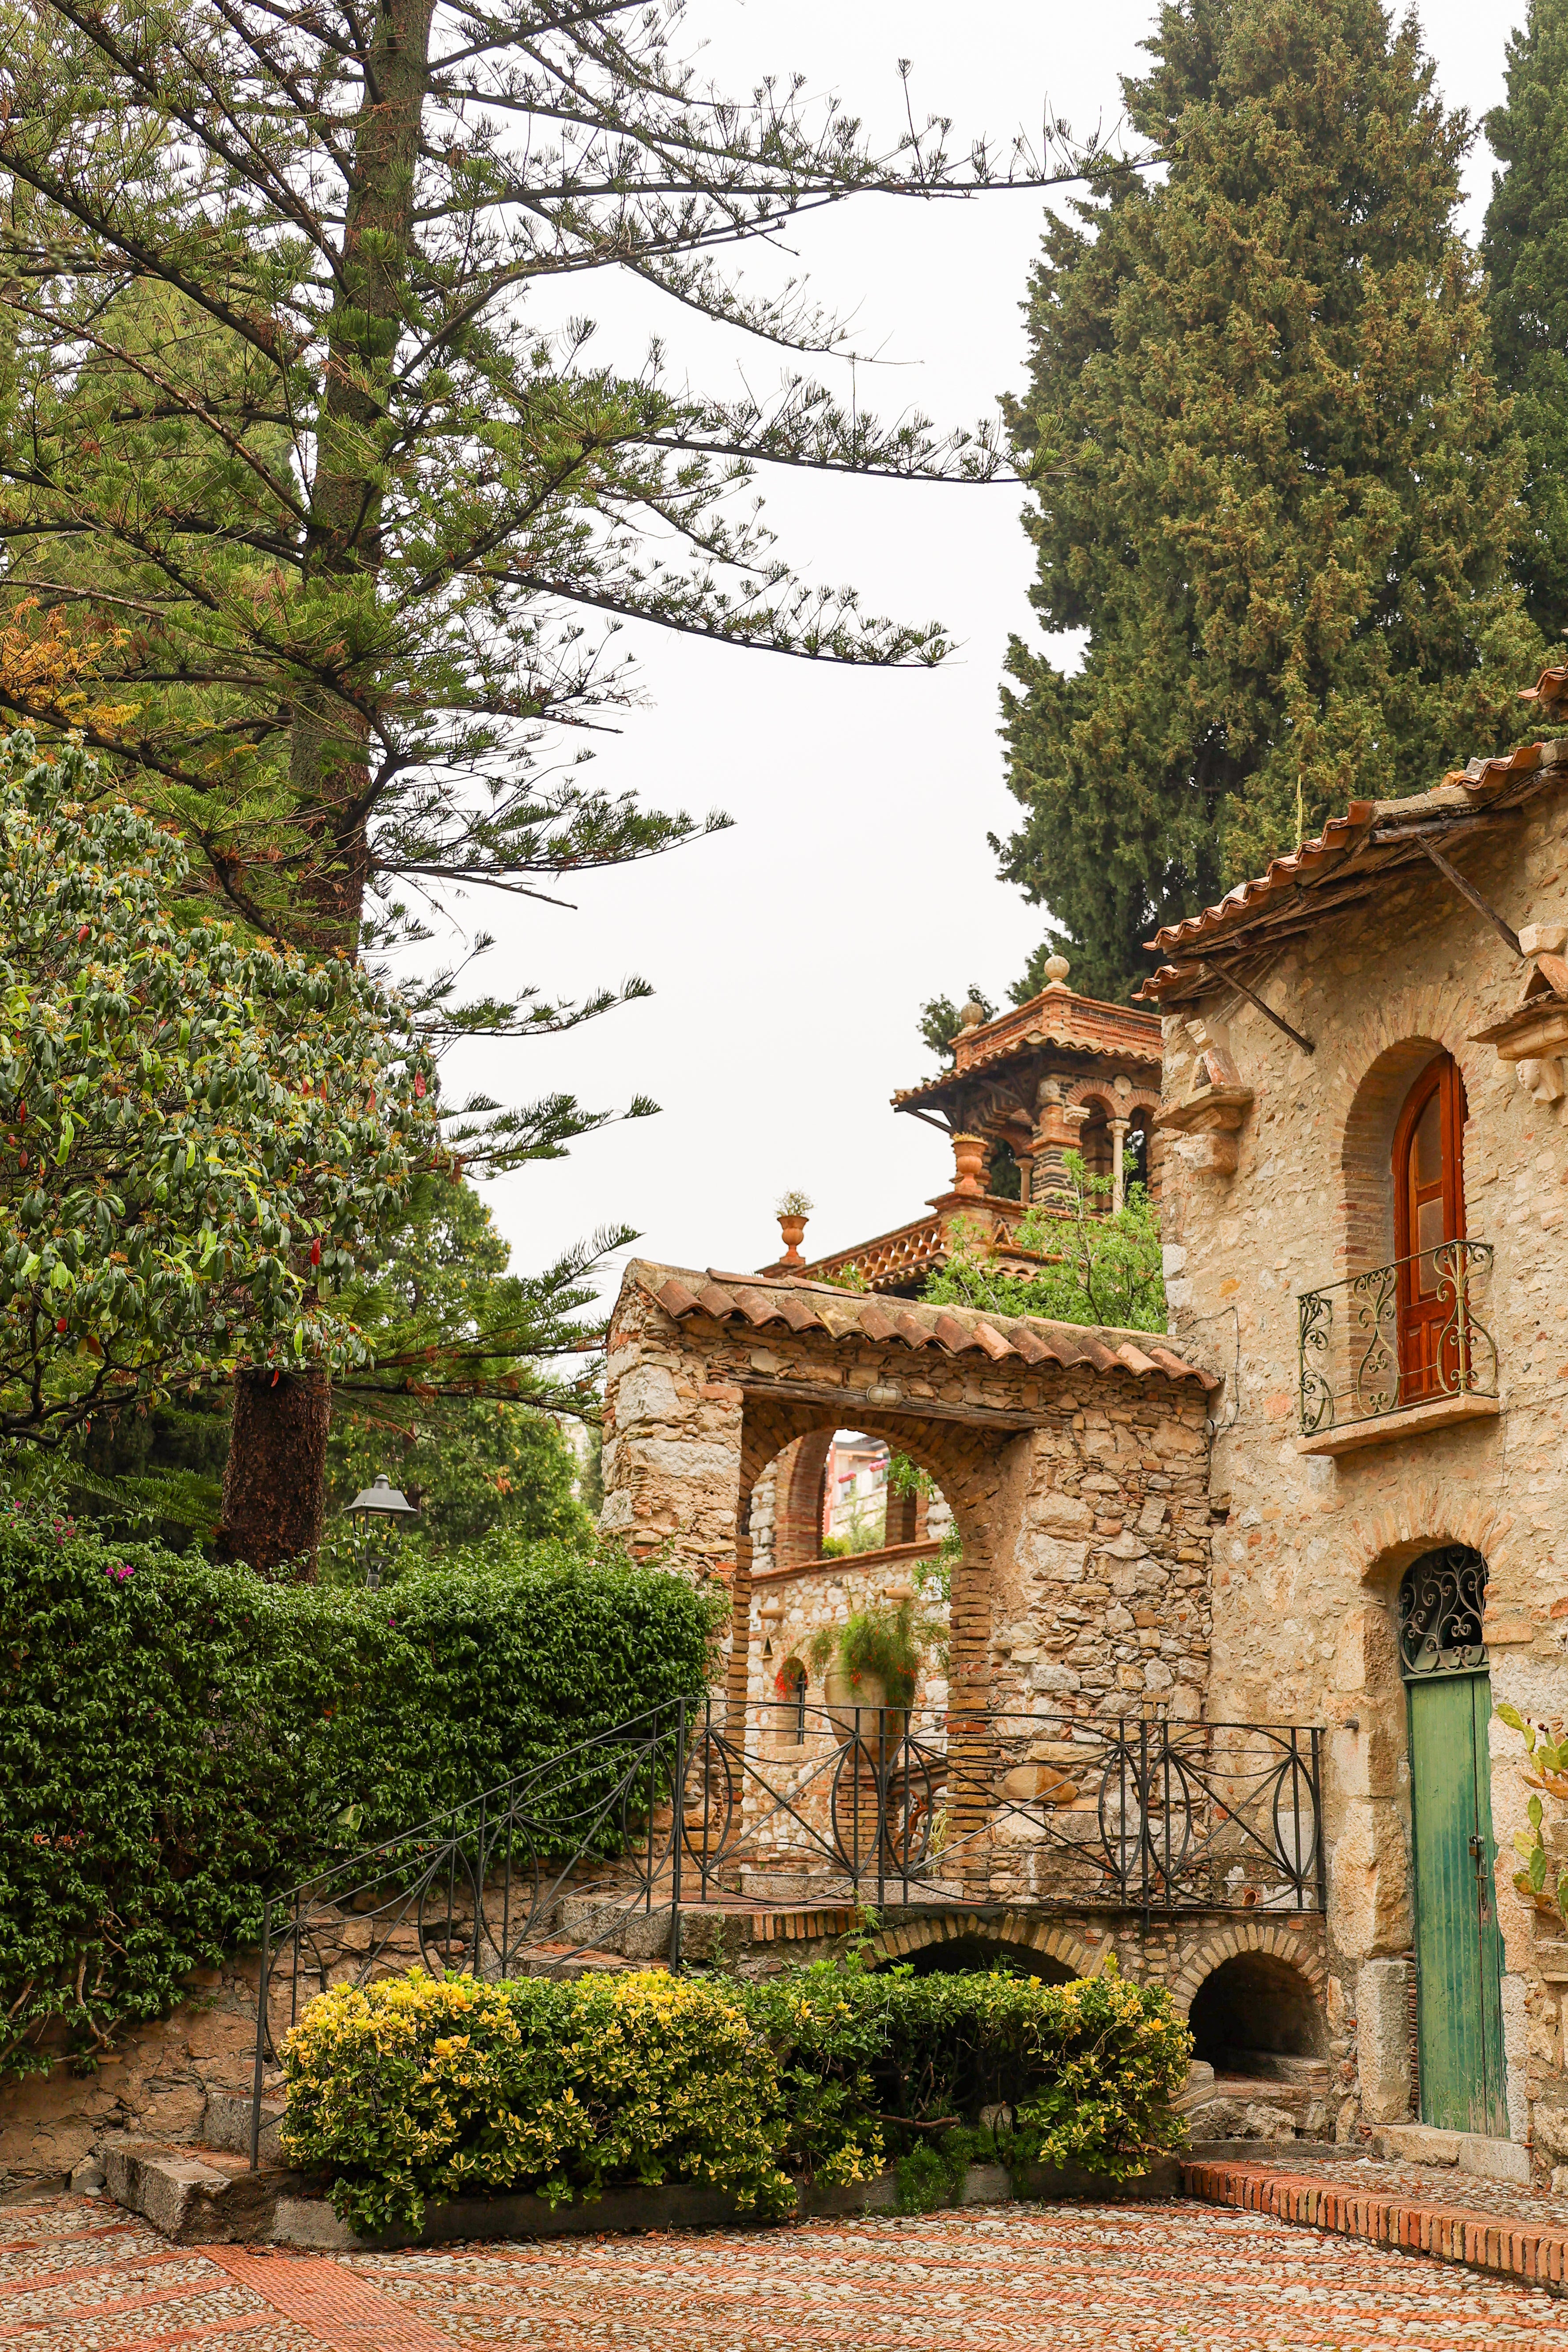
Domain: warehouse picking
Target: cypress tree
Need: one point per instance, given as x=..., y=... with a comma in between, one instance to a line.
x=1526, y=253
x=1273, y=474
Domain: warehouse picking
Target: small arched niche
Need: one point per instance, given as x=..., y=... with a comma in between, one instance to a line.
x=1252, y=2010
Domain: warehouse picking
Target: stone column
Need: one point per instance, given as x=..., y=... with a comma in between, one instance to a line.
x=1117, y=1142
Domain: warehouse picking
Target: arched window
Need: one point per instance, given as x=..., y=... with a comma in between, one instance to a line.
x=1429, y=1210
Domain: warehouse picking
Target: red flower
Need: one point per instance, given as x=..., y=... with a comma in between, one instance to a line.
x=418, y=1082
x=315, y=1253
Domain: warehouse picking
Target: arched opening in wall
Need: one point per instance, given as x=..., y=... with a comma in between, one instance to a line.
x=1367, y=1150
x=1135, y=1152
x=1254, y=2011
x=982, y=1954
x=849, y=1537
x=790, y=1685
x=1095, y=1148
x=1428, y=1179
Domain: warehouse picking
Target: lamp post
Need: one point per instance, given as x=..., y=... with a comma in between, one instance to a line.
x=381, y=1507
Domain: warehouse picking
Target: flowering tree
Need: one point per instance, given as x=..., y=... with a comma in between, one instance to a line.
x=201, y=1134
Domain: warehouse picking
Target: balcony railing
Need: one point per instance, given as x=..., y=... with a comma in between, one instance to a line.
x=1363, y=1351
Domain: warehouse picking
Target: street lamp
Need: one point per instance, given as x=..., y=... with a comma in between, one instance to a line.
x=382, y=1509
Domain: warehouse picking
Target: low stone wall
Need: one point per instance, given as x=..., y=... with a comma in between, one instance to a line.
x=154, y=2086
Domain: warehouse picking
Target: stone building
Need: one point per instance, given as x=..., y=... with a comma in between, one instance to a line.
x=1365, y=1212
x=1321, y=1520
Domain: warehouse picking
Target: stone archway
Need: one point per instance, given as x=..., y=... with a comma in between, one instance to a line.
x=1249, y=1940
x=1046, y=1440
x=1013, y=1933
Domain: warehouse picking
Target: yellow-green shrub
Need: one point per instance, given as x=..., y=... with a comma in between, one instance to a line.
x=413, y=2088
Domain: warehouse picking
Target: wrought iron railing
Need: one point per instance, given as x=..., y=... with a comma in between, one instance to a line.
x=1360, y=1353
x=607, y=1844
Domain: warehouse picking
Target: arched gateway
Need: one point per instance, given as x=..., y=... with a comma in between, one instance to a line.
x=1067, y=1771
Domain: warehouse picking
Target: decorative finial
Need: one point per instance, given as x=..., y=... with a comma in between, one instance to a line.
x=793, y=1211
x=972, y=1015
x=1056, y=971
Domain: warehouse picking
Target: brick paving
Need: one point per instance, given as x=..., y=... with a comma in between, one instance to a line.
x=1181, y=2278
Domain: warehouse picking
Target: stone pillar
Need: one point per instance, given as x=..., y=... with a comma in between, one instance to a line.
x=1383, y=2039
x=1118, y=1143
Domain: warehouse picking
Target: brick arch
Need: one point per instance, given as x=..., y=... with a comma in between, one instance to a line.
x=1047, y=1937
x=1247, y=1935
x=1399, y=1038
x=1382, y=1543
x=1101, y=1091
x=963, y=1459
x=797, y=1492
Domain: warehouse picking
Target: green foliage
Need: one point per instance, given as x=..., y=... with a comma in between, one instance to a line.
x=1546, y=1773
x=1525, y=248
x=453, y=1403
x=356, y=493
x=414, y=2089
x=410, y=2090
x=176, y=1738
x=1274, y=479
x=882, y=1645
x=1102, y=1267
x=200, y=1135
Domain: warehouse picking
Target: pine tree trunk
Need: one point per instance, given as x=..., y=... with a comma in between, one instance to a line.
x=274, y=1484
x=330, y=741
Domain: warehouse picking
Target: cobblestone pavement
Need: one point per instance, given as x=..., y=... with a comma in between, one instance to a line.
x=75, y=2276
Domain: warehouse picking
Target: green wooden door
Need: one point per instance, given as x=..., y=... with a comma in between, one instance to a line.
x=1459, y=1952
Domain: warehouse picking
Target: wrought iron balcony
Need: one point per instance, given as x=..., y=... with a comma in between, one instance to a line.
x=1400, y=1336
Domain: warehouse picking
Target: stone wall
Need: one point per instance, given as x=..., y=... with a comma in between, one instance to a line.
x=154, y=2084
x=1308, y=1562
x=1079, y=1493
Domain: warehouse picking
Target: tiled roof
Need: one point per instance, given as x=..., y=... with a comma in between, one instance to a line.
x=1357, y=849
x=1055, y=1017
x=847, y=1316
x=1551, y=691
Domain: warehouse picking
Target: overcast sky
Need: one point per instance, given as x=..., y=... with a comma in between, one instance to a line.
x=790, y=955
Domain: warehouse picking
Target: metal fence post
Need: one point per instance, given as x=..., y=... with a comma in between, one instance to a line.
x=1318, y=1820
x=260, y=2036
x=1144, y=1811
x=677, y=1811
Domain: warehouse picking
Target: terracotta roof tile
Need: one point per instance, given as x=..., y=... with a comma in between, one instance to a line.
x=1464, y=794
x=847, y=1317
x=1551, y=691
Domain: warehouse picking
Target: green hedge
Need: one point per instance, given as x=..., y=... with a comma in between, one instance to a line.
x=412, y=2088
x=177, y=1738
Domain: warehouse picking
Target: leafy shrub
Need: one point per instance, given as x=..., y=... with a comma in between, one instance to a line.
x=411, y=2089
x=416, y=2088
x=177, y=1738
x=1082, y=2072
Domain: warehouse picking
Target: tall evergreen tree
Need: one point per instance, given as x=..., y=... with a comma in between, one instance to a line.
x=281, y=417
x=1525, y=248
x=1273, y=475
